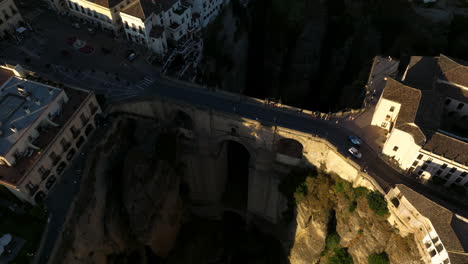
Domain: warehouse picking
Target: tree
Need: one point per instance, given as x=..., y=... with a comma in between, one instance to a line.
x=381, y=258
x=341, y=256
x=377, y=203
x=332, y=242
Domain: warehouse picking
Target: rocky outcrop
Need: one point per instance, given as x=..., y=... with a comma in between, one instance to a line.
x=361, y=231
x=129, y=200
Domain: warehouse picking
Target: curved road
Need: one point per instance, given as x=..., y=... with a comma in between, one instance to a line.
x=246, y=107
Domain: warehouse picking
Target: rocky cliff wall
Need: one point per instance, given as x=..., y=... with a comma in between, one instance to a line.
x=129, y=200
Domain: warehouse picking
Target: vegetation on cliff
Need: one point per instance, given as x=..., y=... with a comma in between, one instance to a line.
x=337, y=223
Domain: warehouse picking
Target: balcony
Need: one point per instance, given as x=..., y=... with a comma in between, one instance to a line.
x=75, y=132
x=84, y=121
x=66, y=146
x=93, y=109
x=55, y=160
x=44, y=174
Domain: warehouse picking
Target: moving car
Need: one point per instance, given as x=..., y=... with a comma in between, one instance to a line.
x=355, y=152
x=355, y=140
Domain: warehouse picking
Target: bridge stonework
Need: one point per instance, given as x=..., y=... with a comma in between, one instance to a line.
x=206, y=175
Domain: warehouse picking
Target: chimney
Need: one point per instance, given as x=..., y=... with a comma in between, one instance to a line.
x=27, y=110
x=37, y=101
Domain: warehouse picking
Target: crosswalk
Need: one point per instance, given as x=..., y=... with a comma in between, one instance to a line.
x=143, y=84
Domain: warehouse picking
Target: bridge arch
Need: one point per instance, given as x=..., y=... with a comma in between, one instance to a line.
x=183, y=120
x=236, y=161
x=289, y=151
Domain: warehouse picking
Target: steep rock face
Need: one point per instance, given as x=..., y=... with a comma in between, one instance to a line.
x=361, y=231
x=135, y=202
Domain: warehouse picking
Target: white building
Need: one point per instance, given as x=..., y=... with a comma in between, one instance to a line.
x=42, y=129
x=207, y=10
x=10, y=18
x=155, y=22
x=440, y=233
x=423, y=115
x=104, y=14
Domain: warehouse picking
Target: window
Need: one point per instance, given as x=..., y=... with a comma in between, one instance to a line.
x=448, y=176
x=420, y=172
x=458, y=180
x=384, y=124
x=420, y=156
x=460, y=106
x=415, y=163
x=392, y=109
x=463, y=174
x=428, y=161
x=452, y=170
x=395, y=148
x=424, y=167
x=447, y=102
x=387, y=117
x=438, y=172
x=443, y=166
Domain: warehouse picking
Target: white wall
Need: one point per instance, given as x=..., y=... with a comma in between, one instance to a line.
x=383, y=115
x=407, y=149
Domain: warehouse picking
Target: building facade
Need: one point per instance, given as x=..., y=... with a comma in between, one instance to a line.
x=104, y=14
x=10, y=18
x=207, y=10
x=437, y=230
x=426, y=118
x=153, y=23
x=42, y=128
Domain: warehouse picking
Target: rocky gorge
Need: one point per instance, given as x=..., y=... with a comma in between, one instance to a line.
x=133, y=207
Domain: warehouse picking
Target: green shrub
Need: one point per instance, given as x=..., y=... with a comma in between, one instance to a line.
x=352, y=206
x=360, y=191
x=377, y=203
x=339, y=187
x=332, y=242
x=381, y=258
x=341, y=256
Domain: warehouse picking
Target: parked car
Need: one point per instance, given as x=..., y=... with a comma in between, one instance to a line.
x=131, y=55
x=355, y=152
x=355, y=140
x=76, y=25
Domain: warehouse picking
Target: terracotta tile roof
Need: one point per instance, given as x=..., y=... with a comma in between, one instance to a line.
x=106, y=3
x=440, y=217
x=415, y=131
x=436, y=78
x=448, y=147
x=406, y=96
x=144, y=8
x=5, y=75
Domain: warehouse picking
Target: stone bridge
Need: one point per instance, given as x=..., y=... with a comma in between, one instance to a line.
x=271, y=149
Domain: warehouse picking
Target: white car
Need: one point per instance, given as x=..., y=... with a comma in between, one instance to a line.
x=355, y=152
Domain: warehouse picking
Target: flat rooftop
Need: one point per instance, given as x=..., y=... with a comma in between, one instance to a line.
x=21, y=104
x=14, y=174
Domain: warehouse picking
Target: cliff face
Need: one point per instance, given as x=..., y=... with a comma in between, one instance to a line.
x=331, y=205
x=129, y=200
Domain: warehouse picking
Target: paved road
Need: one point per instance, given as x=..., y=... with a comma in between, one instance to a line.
x=383, y=173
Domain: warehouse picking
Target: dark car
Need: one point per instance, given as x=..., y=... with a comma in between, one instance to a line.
x=131, y=55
